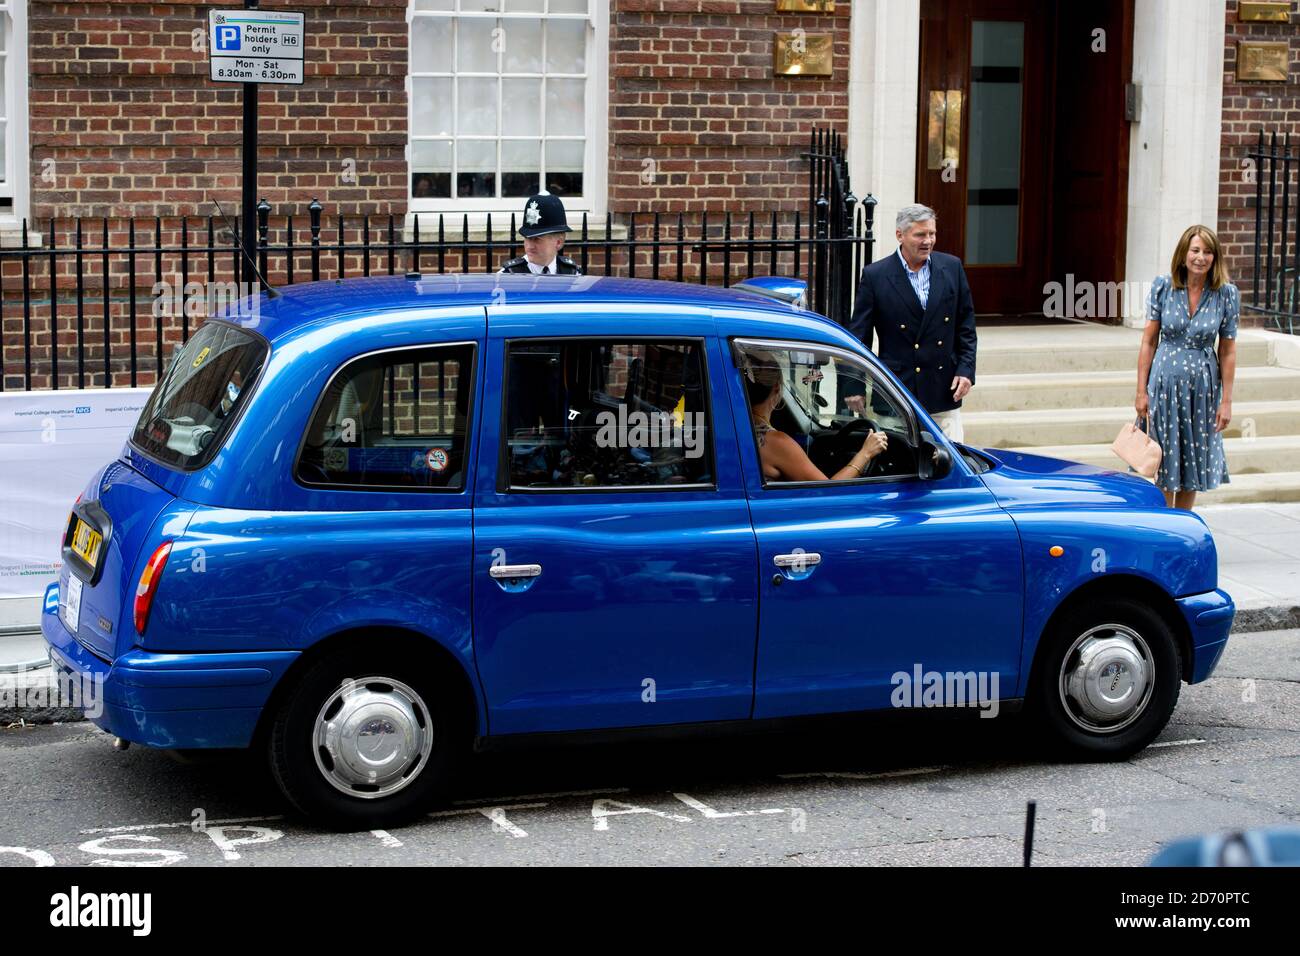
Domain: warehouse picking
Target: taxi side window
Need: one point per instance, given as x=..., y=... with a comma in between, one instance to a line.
x=394, y=420
x=582, y=413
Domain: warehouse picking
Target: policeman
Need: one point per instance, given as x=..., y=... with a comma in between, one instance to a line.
x=543, y=231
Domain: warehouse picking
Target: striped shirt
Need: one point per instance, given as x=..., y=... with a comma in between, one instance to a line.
x=920, y=279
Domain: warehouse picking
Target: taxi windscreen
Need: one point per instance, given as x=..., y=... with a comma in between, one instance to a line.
x=192, y=407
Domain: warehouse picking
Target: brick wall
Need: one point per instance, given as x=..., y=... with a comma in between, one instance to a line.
x=692, y=90
x=1248, y=107
x=124, y=122
x=124, y=119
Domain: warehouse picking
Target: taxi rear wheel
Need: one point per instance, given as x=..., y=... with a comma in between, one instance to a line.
x=1108, y=680
x=366, y=740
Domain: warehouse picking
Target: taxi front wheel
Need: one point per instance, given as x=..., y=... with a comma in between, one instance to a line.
x=1107, y=681
x=365, y=740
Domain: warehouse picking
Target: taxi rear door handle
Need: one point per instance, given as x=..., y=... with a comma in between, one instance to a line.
x=502, y=571
x=800, y=560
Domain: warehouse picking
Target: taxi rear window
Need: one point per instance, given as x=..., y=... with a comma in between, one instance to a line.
x=193, y=406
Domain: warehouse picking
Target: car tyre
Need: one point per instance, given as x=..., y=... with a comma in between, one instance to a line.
x=1107, y=680
x=365, y=740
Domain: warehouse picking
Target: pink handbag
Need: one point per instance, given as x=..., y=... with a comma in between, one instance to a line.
x=1139, y=450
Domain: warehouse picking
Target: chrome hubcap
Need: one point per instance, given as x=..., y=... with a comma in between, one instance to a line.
x=1106, y=678
x=372, y=737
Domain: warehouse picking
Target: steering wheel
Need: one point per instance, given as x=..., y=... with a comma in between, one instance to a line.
x=848, y=440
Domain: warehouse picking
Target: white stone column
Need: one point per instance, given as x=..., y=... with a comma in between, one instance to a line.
x=884, y=68
x=1174, y=147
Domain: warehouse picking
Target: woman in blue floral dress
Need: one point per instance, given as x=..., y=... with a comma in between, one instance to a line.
x=1184, y=389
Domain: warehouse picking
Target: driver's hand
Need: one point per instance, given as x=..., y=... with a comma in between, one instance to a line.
x=855, y=403
x=876, y=443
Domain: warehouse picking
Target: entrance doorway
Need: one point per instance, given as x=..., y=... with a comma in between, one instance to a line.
x=1023, y=142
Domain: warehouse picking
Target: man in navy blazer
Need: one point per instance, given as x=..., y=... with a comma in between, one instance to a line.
x=917, y=305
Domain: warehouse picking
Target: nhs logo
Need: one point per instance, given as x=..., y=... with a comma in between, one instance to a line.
x=228, y=37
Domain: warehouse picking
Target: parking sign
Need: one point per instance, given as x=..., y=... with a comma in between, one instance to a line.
x=255, y=46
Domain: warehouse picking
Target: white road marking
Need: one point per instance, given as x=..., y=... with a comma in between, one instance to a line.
x=712, y=814
x=39, y=857
x=387, y=839
x=188, y=824
x=496, y=814
x=1179, y=743
x=601, y=812
x=540, y=796
x=842, y=775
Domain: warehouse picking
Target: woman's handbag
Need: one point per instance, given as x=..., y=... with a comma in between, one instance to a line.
x=1139, y=450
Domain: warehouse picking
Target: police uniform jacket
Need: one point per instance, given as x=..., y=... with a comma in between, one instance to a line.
x=564, y=266
x=926, y=347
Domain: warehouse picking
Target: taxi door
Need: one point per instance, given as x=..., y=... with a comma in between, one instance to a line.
x=614, y=571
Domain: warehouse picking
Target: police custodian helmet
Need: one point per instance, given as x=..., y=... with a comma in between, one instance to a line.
x=543, y=213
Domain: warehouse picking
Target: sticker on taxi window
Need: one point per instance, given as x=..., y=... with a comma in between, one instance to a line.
x=436, y=459
x=198, y=359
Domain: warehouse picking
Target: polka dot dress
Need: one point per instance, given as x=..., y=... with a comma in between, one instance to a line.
x=1184, y=385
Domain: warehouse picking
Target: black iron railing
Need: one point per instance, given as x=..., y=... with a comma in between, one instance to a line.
x=102, y=303
x=1275, y=286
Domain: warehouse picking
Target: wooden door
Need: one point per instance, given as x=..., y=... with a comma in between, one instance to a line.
x=985, y=143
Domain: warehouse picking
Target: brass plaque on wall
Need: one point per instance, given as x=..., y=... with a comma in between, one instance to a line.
x=805, y=6
x=1264, y=10
x=802, y=54
x=1267, y=62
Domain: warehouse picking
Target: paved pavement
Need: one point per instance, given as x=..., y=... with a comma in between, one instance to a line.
x=1259, y=561
x=872, y=793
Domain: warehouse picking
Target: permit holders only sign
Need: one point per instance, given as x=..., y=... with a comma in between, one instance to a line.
x=255, y=46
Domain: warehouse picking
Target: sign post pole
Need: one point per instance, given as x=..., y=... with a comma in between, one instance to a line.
x=251, y=47
x=248, y=202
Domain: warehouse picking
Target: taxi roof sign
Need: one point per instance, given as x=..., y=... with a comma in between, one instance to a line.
x=255, y=46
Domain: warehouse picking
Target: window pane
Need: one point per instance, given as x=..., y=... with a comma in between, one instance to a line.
x=477, y=102
x=564, y=107
x=993, y=178
x=564, y=167
x=480, y=6
x=601, y=414
x=521, y=102
x=477, y=162
x=431, y=106
x=434, y=4
x=191, y=409
x=474, y=46
x=525, y=6
x=398, y=419
x=430, y=41
x=520, y=167
x=817, y=407
x=523, y=51
x=431, y=169
x=566, y=46
x=569, y=6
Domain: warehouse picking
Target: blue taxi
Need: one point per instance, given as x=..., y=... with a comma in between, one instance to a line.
x=384, y=521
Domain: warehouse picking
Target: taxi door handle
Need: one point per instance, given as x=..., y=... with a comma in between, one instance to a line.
x=800, y=560
x=500, y=571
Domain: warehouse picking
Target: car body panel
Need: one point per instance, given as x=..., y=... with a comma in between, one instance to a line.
x=673, y=587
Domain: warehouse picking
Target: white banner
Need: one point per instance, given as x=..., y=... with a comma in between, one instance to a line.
x=51, y=443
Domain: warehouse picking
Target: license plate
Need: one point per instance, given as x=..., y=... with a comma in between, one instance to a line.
x=85, y=543
x=72, y=603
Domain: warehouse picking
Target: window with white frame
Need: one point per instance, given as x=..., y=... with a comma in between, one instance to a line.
x=506, y=99
x=13, y=110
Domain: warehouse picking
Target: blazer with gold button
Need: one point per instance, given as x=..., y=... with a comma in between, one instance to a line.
x=926, y=347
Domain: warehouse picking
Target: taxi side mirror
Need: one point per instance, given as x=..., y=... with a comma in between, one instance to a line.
x=932, y=461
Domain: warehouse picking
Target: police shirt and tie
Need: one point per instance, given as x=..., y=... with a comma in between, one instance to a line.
x=543, y=215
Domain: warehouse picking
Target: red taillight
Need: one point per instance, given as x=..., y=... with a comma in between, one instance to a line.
x=67, y=525
x=148, y=586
